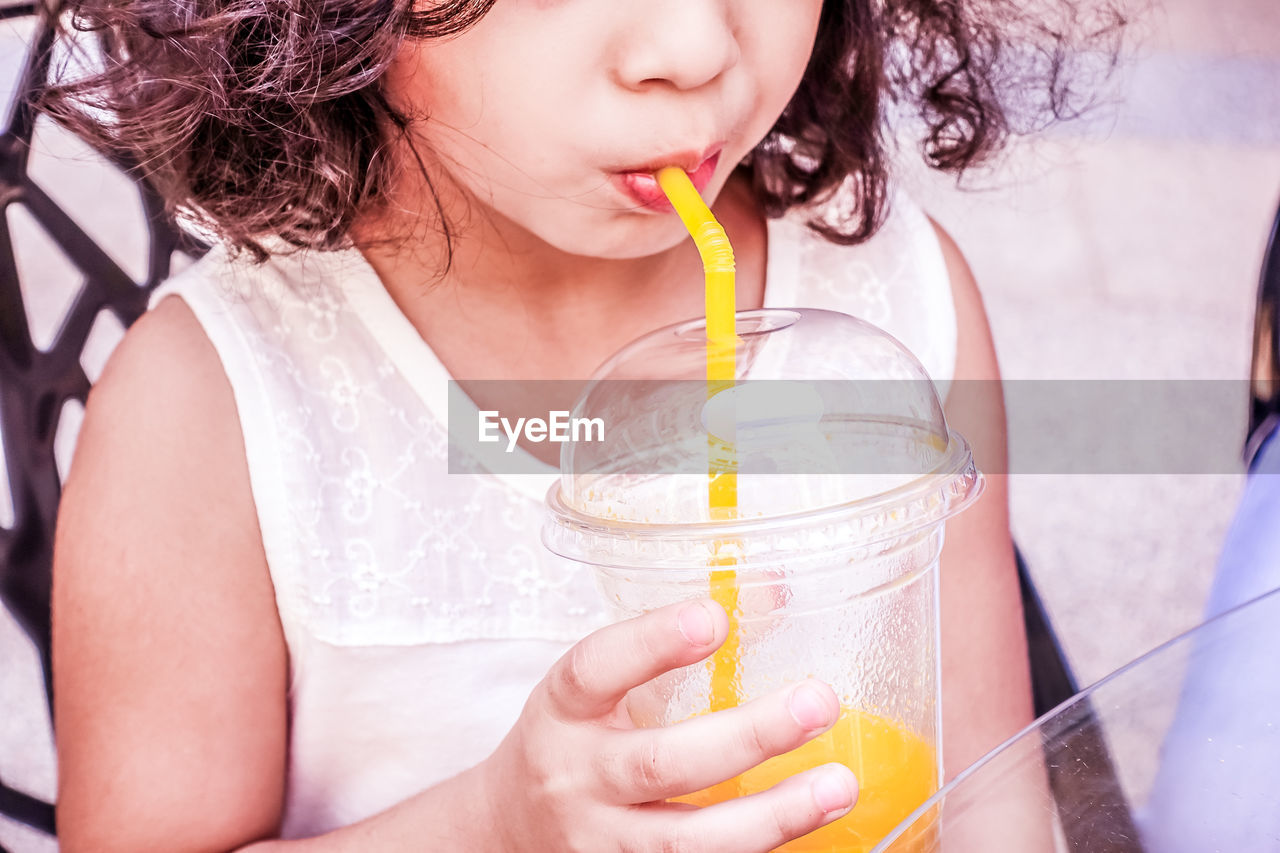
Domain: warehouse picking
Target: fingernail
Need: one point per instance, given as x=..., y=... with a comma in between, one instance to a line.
x=832, y=792
x=696, y=624
x=810, y=708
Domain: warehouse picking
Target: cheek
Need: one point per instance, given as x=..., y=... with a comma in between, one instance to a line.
x=479, y=107
x=802, y=34
x=424, y=83
x=782, y=45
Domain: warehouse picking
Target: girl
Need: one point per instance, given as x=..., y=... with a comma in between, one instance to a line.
x=275, y=615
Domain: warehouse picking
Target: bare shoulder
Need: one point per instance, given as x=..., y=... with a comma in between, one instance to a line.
x=161, y=436
x=167, y=344
x=975, y=350
x=169, y=661
x=162, y=416
x=975, y=402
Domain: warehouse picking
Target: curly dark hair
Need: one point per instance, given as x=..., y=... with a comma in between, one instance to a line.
x=259, y=118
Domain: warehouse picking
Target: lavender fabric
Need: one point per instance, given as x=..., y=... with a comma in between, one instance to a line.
x=1218, y=784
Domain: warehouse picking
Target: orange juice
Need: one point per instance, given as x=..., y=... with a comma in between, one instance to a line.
x=896, y=770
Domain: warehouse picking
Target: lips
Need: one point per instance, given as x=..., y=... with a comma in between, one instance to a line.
x=642, y=188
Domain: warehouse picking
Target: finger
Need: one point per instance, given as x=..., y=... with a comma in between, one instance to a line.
x=759, y=822
x=595, y=674
x=659, y=763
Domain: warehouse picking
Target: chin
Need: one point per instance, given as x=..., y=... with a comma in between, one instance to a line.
x=626, y=237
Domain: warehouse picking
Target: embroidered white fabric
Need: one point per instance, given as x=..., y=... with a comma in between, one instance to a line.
x=420, y=607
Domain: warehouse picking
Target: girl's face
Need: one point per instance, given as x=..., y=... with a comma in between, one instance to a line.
x=552, y=113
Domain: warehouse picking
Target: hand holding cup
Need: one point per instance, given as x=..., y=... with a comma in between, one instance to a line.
x=576, y=774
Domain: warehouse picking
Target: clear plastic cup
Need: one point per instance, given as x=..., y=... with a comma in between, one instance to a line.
x=846, y=474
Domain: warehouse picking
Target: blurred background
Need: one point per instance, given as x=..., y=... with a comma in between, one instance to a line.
x=1124, y=246
x=1129, y=246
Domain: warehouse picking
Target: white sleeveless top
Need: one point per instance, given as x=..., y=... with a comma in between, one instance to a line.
x=419, y=607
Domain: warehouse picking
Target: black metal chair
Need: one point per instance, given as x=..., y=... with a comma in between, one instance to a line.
x=35, y=384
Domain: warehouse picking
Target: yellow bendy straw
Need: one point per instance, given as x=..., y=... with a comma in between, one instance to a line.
x=722, y=346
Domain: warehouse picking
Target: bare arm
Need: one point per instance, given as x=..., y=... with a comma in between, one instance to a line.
x=985, y=681
x=986, y=686
x=171, y=671
x=169, y=663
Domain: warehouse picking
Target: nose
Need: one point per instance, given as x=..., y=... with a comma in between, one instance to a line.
x=681, y=43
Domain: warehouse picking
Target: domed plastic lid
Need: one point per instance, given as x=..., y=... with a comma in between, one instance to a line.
x=830, y=420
